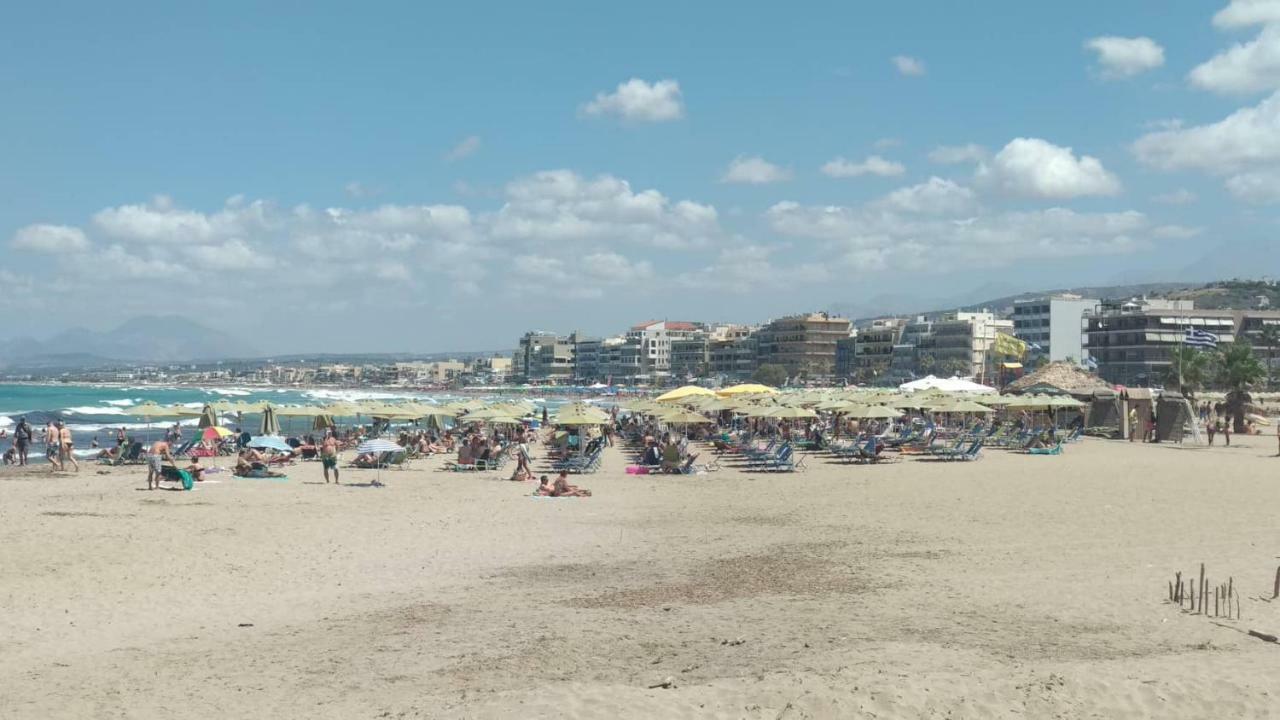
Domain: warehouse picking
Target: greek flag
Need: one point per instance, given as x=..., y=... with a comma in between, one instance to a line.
x=1200, y=338
x=1091, y=363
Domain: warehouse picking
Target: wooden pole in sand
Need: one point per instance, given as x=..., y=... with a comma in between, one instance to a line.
x=1217, y=598
x=1275, y=593
x=1203, y=590
x=1178, y=578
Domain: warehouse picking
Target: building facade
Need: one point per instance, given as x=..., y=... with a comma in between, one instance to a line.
x=873, y=347
x=543, y=357
x=960, y=343
x=804, y=345
x=1131, y=341
x=1054, y=324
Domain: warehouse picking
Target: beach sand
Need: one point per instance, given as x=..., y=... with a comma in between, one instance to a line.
x=1013, y=586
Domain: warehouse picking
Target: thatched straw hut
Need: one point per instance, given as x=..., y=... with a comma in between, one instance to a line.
x=1059, y=377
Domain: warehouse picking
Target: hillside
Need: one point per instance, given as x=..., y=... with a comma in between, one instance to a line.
x=153, y=339
x=1232, y=294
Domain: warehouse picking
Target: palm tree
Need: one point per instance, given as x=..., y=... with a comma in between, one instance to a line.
x=1270, y=338
x=1238, y=370
x=1188, y=367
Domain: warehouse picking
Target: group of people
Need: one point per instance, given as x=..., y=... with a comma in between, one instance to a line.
x=59, y=446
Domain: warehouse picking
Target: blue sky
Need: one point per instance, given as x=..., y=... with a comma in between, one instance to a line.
x=403, y=176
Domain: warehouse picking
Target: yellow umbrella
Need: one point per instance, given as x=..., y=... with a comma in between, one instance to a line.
x=746, y=389
x=682, y=393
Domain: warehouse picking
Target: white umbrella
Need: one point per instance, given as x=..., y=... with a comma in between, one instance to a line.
x=377, y=446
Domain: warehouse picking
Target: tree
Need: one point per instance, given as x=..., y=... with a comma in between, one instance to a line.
x=1188, y=367
x=1238, y=370
x=770, y=374
x=1270, y=338
x=954, y=366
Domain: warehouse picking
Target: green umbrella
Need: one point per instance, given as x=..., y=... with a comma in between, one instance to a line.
x=151, y=410
x=683, y=417
x=579, y=415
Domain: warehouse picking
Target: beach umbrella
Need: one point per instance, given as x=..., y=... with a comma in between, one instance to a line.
x=484, y=414
x=270, y=442
x=184, y=411
x=684, y=393
x=376, y=447
x=298, y=411
x=208, y=418
x=965, y=406
x=270, y=425
x=790, y=413
x=215, y=433
x=684, y=417
x=1064, y=401
x=341, y=409
x=576, y=415
x=875, y=412
x=746, y=389
x=151, y=410
x=323, y=422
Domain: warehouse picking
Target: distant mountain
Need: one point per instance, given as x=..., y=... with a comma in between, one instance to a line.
x=147, y=339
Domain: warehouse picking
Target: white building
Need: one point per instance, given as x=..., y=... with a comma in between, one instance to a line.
x=1055, y=324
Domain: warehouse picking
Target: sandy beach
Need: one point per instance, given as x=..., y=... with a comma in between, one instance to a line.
x=1014, y=586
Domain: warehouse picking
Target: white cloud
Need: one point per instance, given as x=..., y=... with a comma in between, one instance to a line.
x=957, y=154
x=54, y=239
x=1175, y=232
x=1181, y=196
x=870, y=239
x=233, y=254
x=357, y=190
x=749, y=268
x=1031, y=167
x=873, y=165
x=466, y=147
x=754, y=170
x=640, y=101
x=1248, y=67
x=560, y=206
x=935, y=196
x=1249, y=136
x=908, y=65
x=1121, y=57
x=1245, y=13
x=1261, y=187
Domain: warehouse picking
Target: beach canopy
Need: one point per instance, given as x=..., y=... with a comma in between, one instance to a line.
x=298, y=411
x=746, y=389
x=951, y=384
x=962, y=406
x=270, y=442
x=683, y=393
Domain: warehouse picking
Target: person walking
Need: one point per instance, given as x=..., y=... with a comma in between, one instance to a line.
x=66, y=447
x=52, y=438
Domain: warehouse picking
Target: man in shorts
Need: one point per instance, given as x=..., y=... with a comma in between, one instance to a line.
x=155, y=463
x=329, y=457
x=52, y=439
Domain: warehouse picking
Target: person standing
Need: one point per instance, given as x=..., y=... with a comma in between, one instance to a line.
x=66, y=447
x=52, y=438
x=1133, y=424
x=329, y=457
x=22, y=440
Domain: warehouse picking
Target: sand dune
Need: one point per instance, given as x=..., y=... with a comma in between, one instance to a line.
x=1011, y=587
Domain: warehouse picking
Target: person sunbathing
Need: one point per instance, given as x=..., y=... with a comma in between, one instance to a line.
x=107, y=454
x=544, y=487
x=365, y=460
x=562, y=488
x=196, y=470
x=254, y=470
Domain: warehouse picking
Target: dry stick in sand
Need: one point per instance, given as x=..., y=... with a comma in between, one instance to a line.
x=1231, y=589
x=1204, y=589
x=1276, y=592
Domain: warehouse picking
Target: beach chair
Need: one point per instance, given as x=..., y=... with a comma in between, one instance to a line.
x=1055, y=450
x=969, y=452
